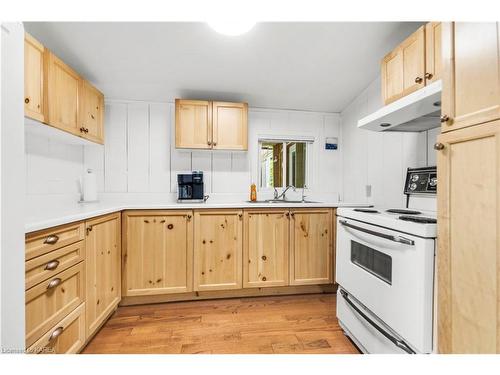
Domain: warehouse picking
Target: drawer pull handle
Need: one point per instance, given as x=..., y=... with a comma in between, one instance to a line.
x=57, y=332
x=52, y=239
x=53, y=283
x=52, y=265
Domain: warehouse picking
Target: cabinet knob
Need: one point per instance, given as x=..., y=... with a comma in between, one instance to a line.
x=26, y=100
x=189, y=217
x=52, y=265
x=438, y=146
x=292, y=214
x=57, y=332
x=53, y=283
x=81, y=130
x=419, y=80
x=215, y=143
x=209, y=143
x=428, y=76
x=444, y=118
x=170, y=226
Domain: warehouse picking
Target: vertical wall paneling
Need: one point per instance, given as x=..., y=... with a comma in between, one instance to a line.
x=159, y=148
x=115, y=148
x=138, y=148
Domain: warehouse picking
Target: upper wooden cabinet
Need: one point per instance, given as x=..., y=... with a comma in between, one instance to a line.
x=91, y=112
x=218, y=246
x=103, y=269
x=34, y=79
x=63, y=95
x=413, y=64
x=311, y=245
x=471, y=74
x=157, y=252
x=265, y=248
x=201, y=124
x=56, y=95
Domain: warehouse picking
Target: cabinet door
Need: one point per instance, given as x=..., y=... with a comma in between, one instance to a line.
x=193, y=124
x=413, y=53
x=392, y=76
x=157, y=252
x=63, y=92
x=34, y=105
x=91, y=112
x=468, y=253
x=218, y=246
x=311, y=247
x=103, y=256
x=471, y=74
x=230, y=126
x=433, y=54
x=265, y=248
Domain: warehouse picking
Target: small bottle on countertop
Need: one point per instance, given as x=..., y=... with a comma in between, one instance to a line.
x=253, y=193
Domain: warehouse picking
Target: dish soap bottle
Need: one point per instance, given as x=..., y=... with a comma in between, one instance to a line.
x=253, y=193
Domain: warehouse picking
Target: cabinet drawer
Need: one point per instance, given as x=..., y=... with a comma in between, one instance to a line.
x=66, y=337
x=42, y=242
x=45, y=266
x=50, y=301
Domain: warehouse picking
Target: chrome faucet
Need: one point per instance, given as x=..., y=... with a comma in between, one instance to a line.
x=282, y=195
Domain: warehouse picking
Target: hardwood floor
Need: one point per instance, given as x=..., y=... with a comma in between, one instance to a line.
x=284, y=324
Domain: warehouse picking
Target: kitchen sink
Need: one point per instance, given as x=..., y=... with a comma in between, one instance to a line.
x=288, y=201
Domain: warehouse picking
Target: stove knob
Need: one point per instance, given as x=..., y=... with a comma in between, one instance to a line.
x=434, y=181
x=414, y=177
x=413, y=186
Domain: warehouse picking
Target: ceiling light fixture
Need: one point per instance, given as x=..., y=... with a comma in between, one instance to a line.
x=231, y=28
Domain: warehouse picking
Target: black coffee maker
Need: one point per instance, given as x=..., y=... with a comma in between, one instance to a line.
x=190, y=187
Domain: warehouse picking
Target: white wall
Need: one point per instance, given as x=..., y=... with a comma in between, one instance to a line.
x=140, y=157
x=12, y=187
x=378, y=160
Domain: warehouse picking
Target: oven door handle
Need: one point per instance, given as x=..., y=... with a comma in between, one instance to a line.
x=399, y=343
x=390, y=237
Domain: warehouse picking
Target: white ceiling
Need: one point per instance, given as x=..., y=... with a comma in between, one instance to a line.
x=306, y=66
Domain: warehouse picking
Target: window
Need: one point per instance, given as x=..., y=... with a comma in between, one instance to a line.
x=283, y=163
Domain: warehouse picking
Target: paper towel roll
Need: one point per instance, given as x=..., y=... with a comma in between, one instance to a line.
x=89, y=186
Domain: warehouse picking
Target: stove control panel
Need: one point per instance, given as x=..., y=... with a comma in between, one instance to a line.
x=421, y=181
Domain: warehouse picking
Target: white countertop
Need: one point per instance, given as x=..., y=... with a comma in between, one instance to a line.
x=38, y=218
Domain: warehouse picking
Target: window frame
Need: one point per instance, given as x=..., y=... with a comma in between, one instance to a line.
x=309, y=141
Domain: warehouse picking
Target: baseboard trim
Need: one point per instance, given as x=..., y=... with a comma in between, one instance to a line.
x=237, y=293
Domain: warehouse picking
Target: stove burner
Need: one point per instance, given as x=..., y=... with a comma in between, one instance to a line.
x=403, y=211
x=367, y=210
x=419, y=219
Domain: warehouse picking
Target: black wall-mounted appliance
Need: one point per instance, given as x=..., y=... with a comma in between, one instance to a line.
x=190, y=187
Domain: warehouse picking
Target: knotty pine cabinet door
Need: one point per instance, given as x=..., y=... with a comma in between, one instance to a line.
x=468, y=254
x=103, y=268
x=34, y=79
x=265, y=248
x=218, y=247
x=157, y=252
x=63, y=95
x=311, y=246
x=471, y=74
x=230, y=129
x=193, y=124
x=91, y=113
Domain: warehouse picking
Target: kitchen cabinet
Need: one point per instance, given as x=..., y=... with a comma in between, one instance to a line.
x=157, y=252
x=201, y=124
x=218, y=247
x=103, y=269
x=471, y=74
x=265, y=248
x=63, y=95
x=34, y=79
x=91, y=113
x=311, y=246
x=468, y=256
x=433, y=54
x=230, y=129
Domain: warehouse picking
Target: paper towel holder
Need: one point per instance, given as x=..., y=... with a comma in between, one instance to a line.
x=89, y=170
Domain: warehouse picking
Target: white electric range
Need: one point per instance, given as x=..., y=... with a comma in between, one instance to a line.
x=385, y=270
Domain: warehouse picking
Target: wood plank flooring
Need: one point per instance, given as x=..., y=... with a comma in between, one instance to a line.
x=257, y=325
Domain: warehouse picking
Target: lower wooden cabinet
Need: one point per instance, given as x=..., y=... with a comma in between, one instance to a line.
x=218, y=247
x=66, y=337
x=265, y=249
x=311, y=246
x=103, y=275
x=468, y=255
x=157, y=252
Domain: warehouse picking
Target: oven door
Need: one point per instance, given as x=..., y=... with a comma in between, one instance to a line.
x=391, y=273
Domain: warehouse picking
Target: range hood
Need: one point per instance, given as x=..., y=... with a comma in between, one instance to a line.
x=415, y=112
